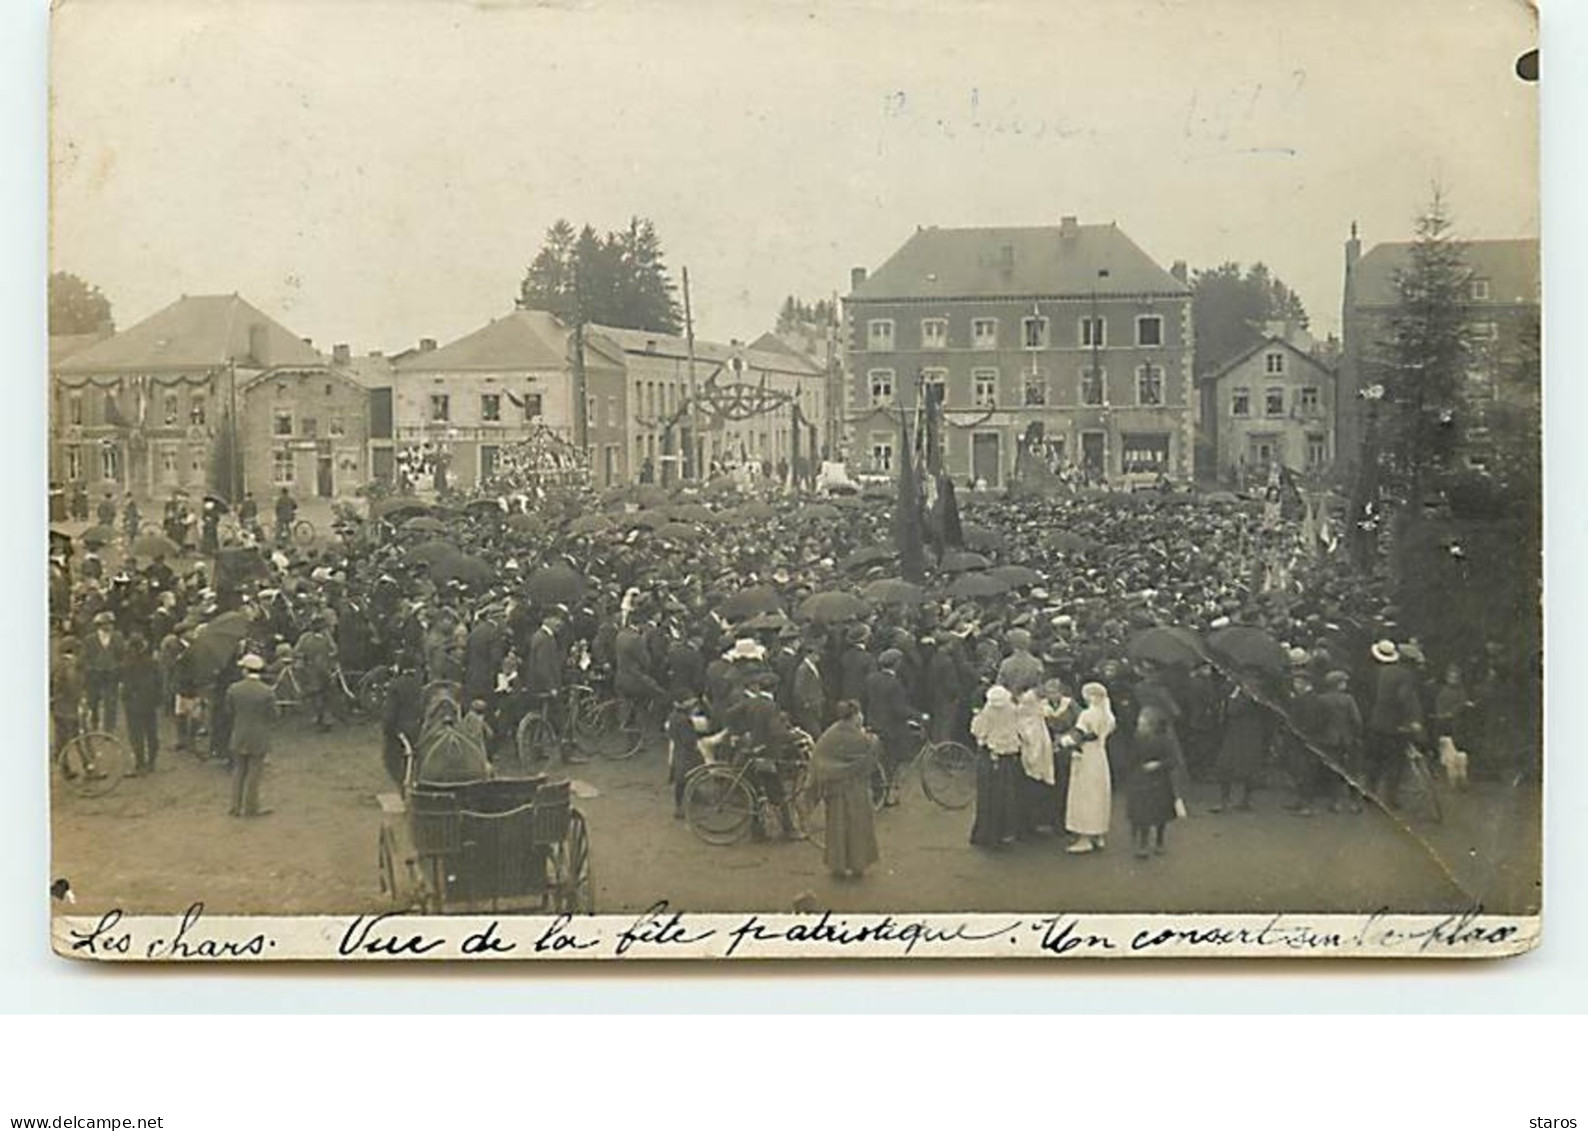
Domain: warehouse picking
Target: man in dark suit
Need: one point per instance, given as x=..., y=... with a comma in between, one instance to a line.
x=104, y=650
x=252, y=708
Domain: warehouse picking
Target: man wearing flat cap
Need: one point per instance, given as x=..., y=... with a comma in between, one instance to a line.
x=104, y=650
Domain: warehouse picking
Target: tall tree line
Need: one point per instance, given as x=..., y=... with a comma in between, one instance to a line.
x=617, y=279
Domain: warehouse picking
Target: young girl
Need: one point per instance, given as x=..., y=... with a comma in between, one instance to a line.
x=1154, y=786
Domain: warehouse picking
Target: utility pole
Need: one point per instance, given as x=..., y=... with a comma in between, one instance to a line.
x=692, y=468
x=581, y=408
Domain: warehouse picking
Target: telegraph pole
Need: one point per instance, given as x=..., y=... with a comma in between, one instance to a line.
x=581, y=407
x=696, y=444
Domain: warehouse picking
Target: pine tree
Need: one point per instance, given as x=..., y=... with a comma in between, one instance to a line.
x=621, y=278
x=1422, y=363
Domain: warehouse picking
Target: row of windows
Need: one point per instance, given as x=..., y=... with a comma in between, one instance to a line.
x=1308, y=400
x=490, y=407
x=1092, y=387
x=286, y=424
x=171, y=415
x=1138, y=452
x=1035, y=333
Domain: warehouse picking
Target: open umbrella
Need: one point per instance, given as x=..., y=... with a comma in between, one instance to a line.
x=425, y=524
x=692, y=512
x=1223, y=497
x=650, y=496
x=893, y=591
x=879, y=491
x=432, y=551
x=557, y=584
x=963, y=561
x=153, y=545
x=845, y=502
x=220, y=505
x=398, y=508
x=1245, y=647
x=97, y=536
x=647, y=520
x=832, y=606
x=754, y=511
x=590, y=524
x=972, y=585
x=679, y=531
x=526, y=524
x=868, y=556
x=462, y=567
x=750, y=602
x=484, y=507
x=982, y=538
x=239, y=563
x=766, y=622
x=818, y=512
x=1161, y=645
x=1018, y=576
x=1070, y=543
x=215, y=643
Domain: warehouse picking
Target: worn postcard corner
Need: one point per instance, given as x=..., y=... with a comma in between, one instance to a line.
x=658, y=483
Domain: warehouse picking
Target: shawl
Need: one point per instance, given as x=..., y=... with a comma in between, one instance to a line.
x=997, y=725
x=844, y=751
x=1036, y=744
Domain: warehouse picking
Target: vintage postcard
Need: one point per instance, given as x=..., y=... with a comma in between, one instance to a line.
x=793, y=480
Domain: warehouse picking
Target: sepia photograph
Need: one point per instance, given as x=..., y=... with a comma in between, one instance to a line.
x=954, y=479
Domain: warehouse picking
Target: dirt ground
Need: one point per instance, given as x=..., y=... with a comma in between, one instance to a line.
x=161, y=842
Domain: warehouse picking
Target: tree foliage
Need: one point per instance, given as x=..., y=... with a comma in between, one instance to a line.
x=617, y=279
x=1418, y=372
x=796, y=314
x=76, y=307
x=1230, y=307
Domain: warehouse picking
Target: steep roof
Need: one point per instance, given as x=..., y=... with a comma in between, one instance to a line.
x=996, y=262
x=196, y=332
x=370, y=371
x=713, y=353
x=1510, y=266
x=1263, y=346
x=524, y=339
x=63, y=346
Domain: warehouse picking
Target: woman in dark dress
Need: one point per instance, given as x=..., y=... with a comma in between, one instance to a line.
x=1243, y=751
x=841, y=766
x=996, y=729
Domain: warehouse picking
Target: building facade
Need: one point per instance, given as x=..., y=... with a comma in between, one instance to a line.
x=464, y=406
x=1502, y=310
x=155, y=408
x=306, y=429
x=675, y=426
x=1068, y=341
x=1272, y=405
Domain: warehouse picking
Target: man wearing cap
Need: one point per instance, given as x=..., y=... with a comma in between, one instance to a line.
x=855, y=664
x=808, y=690
x=140, y=691
x=250, y=705
x=316, y=657
x=1396, y=719
x=888, y=711
x=104, y=649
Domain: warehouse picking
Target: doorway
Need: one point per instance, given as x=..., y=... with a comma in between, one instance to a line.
x=986, y=455
x=1092, y=457
x=324, y=480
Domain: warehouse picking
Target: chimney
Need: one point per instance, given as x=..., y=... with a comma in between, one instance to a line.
x=259, y=345
x=1069, y=227
x=1179, y=271
x=427, y=345
x=857, y=275
x=341, y=354
x=309, y=342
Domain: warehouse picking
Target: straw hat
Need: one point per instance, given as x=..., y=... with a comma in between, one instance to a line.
x=1385, y=652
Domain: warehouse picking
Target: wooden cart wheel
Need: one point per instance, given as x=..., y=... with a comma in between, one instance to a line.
x=575, y=878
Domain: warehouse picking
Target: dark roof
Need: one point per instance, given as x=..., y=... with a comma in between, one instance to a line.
x=195, y=332
x=63, y=346
x=755, y=356
x=1266, y=344
x=1510, y=266
x=524, y=339
x=368, y=371
x=972, y=262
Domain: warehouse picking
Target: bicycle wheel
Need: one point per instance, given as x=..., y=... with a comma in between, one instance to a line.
x=371, y=690
x=287, y=692
x=536, y=738
x=810, y=817
x=628, y=738
x=595, y=720
x=719, y=806
x=93, y=763
x=303, y=532
x=948, y=774
x=1421, y=780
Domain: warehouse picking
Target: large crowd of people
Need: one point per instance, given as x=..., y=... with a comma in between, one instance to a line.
x=770, y=613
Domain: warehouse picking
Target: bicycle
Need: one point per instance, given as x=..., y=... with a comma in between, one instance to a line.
x=586, y=719
x=724, y=800
x=1424, y=786
x=947, y=771
x=300, y=530
x=287, y=690
x=92, y=762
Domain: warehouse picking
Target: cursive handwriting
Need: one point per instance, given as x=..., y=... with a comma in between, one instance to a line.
x=884, y=930
x=656, y=927
x=366, y=936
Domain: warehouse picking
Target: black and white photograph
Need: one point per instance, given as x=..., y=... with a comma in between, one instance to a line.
x=790, y=480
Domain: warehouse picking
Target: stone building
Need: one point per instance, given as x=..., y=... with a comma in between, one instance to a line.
x=1272, y=405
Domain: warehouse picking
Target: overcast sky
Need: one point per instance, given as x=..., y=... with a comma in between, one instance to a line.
x=376, y=172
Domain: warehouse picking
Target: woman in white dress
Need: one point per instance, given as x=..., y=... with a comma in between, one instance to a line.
x=1091, y=796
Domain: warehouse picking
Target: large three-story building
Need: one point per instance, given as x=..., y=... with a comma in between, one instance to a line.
x=1067, y=340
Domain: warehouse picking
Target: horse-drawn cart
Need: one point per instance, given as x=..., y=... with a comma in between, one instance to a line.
x=483, y=844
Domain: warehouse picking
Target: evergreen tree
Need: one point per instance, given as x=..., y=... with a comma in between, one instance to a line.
x=1230, y=308
x=1421, y=365
x=620, y=278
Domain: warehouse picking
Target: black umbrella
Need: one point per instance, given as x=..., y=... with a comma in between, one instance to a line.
x=557, y=584
x=1161, y=645
x=893, y=591
x=97, y=536
x=750, y=602
x=977, y=585
x=425, y=524
x=832, y=607
x=1246, y=647
x=868, y=556
x=398, y=509
x=963, y=562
